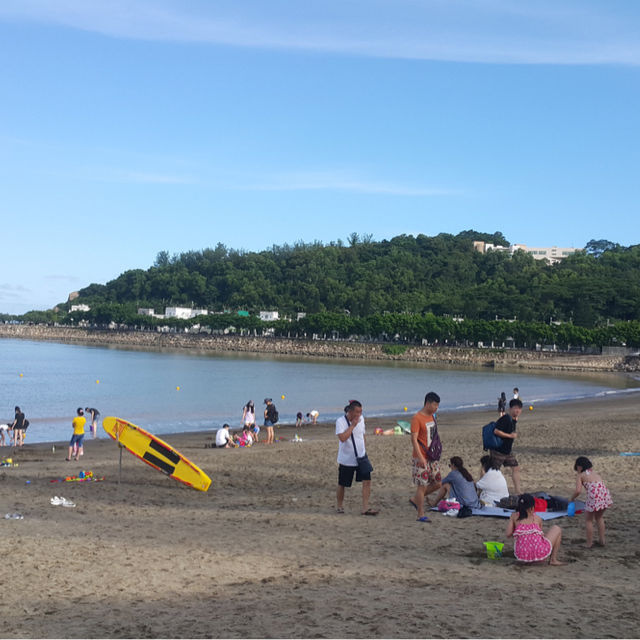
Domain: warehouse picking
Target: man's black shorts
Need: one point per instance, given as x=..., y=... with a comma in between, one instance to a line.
x=345, y=475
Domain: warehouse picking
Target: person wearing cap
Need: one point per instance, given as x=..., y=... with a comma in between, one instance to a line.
x=270, y=419
x=78, y=435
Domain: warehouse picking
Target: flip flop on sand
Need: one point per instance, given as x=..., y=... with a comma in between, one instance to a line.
x=423, y=519
x=370, y=512
x=339, y=510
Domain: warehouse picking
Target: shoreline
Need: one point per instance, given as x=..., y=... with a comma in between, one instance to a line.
x=496, y=358
x=467, y=417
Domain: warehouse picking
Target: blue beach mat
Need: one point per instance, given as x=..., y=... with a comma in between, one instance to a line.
x=630, y=453
x=499, y=512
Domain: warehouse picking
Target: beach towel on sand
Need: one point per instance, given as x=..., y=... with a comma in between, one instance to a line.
x=499, y=512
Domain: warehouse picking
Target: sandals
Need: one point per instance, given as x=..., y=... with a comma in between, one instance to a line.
x=370, y=512
x=339, y=510
x=423, y=519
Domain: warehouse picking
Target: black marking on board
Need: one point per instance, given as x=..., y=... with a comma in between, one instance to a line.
x=161, y=464
x=172, y=456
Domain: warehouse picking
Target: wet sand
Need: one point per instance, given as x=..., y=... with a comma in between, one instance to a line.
x=264, y=554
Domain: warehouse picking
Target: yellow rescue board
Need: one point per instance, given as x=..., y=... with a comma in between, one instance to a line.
x=156, y=453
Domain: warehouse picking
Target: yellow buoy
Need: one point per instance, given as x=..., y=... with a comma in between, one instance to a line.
x=282, y=397
x=406, y=409
x=97, y=381
x=21, y=375
x=530, y=407
x=177, y=388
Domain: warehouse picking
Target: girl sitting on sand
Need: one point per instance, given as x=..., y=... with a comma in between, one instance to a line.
x=530, y=544
x=598, y=498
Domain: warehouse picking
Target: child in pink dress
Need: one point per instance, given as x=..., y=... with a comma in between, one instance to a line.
x=530, y=543
x=598, y=498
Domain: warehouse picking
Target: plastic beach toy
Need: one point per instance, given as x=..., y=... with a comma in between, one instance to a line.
x=571, y=509
x=494, y=549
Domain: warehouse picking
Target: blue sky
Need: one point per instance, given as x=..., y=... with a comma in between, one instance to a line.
x=128, y=127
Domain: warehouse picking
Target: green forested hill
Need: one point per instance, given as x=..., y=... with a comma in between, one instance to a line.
x=440, y=274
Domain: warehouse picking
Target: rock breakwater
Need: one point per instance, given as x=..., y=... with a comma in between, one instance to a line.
x=465, y=356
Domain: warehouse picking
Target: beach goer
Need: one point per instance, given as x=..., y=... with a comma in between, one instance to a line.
x=516, y=393
x=492, y=485
x=249, y=419
x=459, y=484
x=598, y=498
x=75, y=444
x=223, y=439
x=350, y=429
x=270, y=419
x=299, y=419
x=94, y=413
x=244, y=439
x=5, y=435
x=313, y=414
x=425, y=471
x=18, y=427
x=506, y=429
x=502, y=404
x=530, y=543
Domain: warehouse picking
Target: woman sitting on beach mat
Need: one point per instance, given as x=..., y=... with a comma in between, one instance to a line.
x=459, y=485
x=530, y=543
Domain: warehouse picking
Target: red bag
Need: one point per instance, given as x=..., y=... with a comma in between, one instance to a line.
x=541, y=504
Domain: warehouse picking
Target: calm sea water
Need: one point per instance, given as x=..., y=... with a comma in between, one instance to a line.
x=176, y=391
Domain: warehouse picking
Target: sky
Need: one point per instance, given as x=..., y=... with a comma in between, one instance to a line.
x=130, y=127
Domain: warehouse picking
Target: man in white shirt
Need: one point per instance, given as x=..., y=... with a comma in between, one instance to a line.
x=222, y=437
x=492, y=485
x=350, y=431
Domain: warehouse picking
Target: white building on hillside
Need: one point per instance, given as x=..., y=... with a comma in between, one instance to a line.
x=552, y=254
x=80, y=307
x=269, y=316
x=184, y=313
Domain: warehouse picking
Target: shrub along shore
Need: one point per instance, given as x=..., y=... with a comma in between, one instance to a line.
x=466, y=356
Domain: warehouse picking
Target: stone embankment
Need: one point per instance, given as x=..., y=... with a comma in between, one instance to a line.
x=436, y=355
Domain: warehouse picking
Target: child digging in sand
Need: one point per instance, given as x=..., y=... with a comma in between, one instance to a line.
x=598, y=498
x=530, y=543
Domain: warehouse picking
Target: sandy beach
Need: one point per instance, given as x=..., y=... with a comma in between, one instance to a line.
x=264, y=554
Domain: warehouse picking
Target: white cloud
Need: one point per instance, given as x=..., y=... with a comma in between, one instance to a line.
x=482, y=31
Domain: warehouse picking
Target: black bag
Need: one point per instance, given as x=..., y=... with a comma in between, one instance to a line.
x=364, y=464
x=435, y=448
x=464, y=512
x=272, y=414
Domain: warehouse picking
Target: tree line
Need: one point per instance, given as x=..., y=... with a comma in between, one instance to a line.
x=407, y=288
